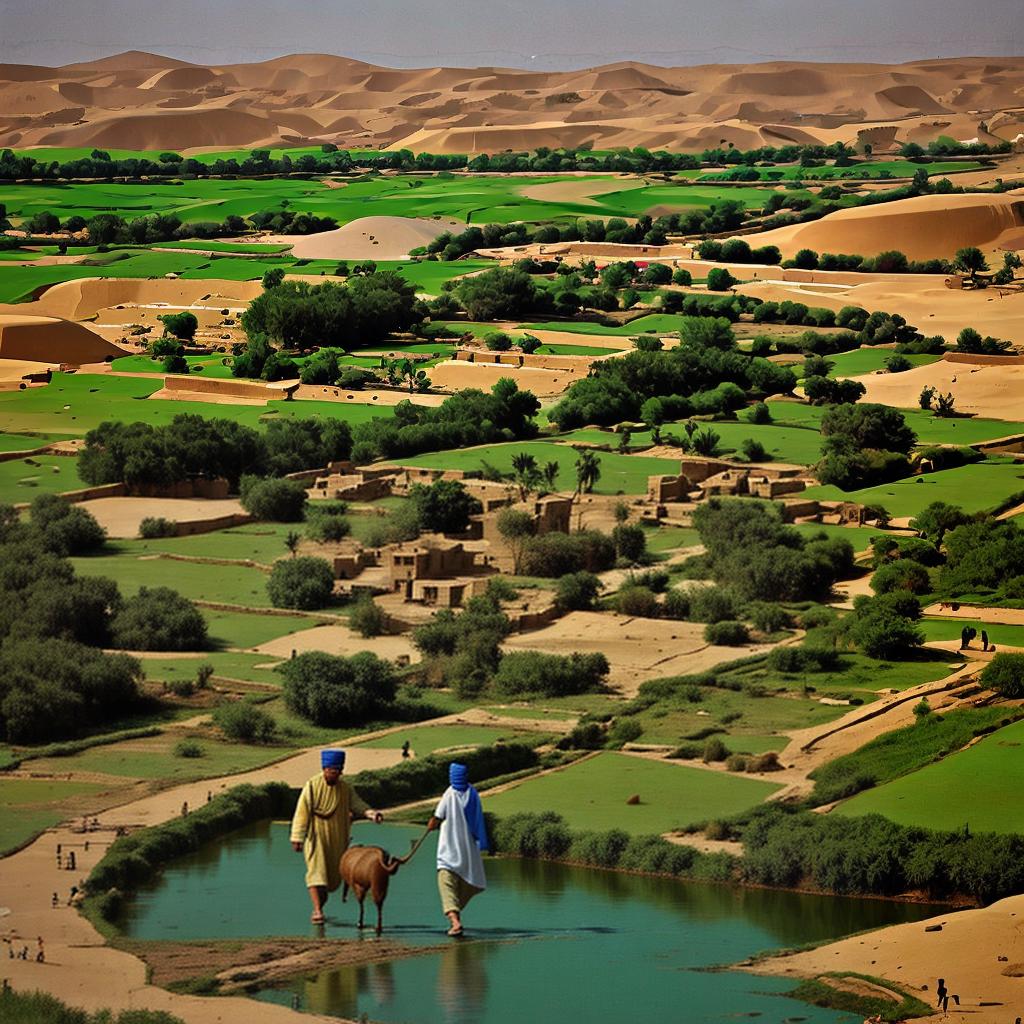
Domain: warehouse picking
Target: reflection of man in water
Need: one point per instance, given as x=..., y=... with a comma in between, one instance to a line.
x=321, y=827
x=460, y=868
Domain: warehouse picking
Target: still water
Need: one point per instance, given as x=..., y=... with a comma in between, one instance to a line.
x=546, y=943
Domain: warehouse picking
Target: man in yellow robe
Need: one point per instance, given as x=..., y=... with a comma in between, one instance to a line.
x=321, y=827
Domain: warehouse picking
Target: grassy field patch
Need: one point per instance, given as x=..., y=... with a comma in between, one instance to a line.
x=428, y=738
x=592, y=794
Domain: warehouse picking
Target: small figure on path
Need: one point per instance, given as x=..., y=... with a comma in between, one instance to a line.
x=184, y=809
x=964, y=639
x=55, y=900
x=460, y=868
x=984, y=640
x=40, y=952
x=71, y=861
x=321, y=827
x=405, y=749
x=941, y=991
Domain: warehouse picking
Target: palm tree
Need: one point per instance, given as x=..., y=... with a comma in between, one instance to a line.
x=526, y=473
x=416, y=379
x=291, y=542
x=550, y=474
x=588, y=471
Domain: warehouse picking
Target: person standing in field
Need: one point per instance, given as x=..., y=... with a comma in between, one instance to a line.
x=460, y=868
x=321, y=827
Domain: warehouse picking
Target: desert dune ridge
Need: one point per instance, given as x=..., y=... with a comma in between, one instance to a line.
x=145, y=101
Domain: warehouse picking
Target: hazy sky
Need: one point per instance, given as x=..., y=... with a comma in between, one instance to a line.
x=519, y=33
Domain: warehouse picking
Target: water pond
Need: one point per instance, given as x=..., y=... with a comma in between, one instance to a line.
x=546, y=943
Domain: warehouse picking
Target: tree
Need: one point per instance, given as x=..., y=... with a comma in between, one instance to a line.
x=869, y=425
x=705, y=442
x=1005, y=674
x=638, y=601
x=550, y=473
x=274, y=500
x=64, y=528
x=245, y=722
x=273, y=277
x=497, y=294
x=577, y=591
x=903, y=574
x=970, y=260
x=720, y=280
x=533, y=673
x=934, y=520
x=336, y=691
x=924, y=400
x=444, y=506
x=588, y=471
x=159, y=619
x=945, y=405
x=291, y=542
x=368, y=619
x=180, y=325
x=630, y=542
x=305, y=583
x=526, y=473
x=726, y=633
x=516, y=528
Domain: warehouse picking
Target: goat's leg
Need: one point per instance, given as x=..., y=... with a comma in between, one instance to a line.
x=344, y=891
x=380, y=914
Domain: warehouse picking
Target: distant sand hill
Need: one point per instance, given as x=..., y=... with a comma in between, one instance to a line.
x=141, y=101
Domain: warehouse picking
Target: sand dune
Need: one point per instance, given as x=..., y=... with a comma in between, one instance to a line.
x=51, y=340
x=377, y=238
x=140, y=100
x=924, y=227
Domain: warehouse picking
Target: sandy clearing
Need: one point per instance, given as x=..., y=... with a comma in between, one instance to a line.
x=14, y=370
x=637, y=649
x=368, y=396
x=991, y=391
x=212, y=398
x=120, y=517
x=577, y=191
x=454, y=375
x=51, y=340
x=1006, y=616
x=377, y=238
x=338, y=639
x=965, y=951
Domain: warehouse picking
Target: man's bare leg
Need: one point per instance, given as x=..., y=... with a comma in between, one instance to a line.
x=318, y=897
x=456, y=921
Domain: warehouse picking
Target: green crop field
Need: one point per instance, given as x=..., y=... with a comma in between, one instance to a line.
x=212, y=245
x=975, y=488
x=228, y=664
x=856, y=171
x=259, y=542
x=250, y=629
x=199, y=581
x=28, y=442
x=868, y=360
x=68, y=406
x=208, y=366
x=425, y=739
x=971, y=788
x=22, y=479
x=27, y=806
x=660, y=323
x=592, y=794
x=625, y=474
x=668, y=538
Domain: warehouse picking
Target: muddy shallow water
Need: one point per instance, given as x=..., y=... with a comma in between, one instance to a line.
x=544, y=943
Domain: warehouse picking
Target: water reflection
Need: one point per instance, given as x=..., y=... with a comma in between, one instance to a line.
x=546, y=941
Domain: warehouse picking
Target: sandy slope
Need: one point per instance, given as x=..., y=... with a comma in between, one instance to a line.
x=376, y=238
x=924, y=227
x=51, y=340
x=144, y=101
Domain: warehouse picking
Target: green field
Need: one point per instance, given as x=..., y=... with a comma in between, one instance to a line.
x=67, y=406
x=227, y=664
x=857, y=170
x=21, y=480
x=425, y=739
x=975, y=488
x=971, y=788
x=208, y=366
x=250, y=629
x=668, y=538
x=199, y=581
x=1000, y=634
x=212, y=245
x=27, y=806
x=659, y=323
x=620, y=474
x=868, y=360
x=592, y=794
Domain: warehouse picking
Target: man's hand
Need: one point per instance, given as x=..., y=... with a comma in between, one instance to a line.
x=297, y=847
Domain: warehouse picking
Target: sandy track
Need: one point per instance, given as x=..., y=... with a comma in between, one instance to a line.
x=121, y=517
x=338, y=640
x=376, y=238
x=579, y=191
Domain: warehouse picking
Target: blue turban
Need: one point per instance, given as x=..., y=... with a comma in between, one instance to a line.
x=332, y=759
x=458, y=777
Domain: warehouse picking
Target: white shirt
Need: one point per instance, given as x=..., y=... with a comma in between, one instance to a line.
x=457, y=850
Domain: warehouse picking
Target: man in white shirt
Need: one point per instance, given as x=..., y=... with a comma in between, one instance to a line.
x=460, y=868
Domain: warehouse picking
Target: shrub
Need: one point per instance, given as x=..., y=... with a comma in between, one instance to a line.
x=711, y=604
x=714, y=750
x=754, y=451
x=630, y=542
x=577, y=591
x=904, y=574
x=720, y=280
x=188, y=748
x=532, y=673
x=1005, y=674
x=637, y=601
x=153, y=527
x=624, y=730
x=328, y=528
x=240, y=720
x=728, y=633
x=759, y=413
x=898, y=364
x=768, y=617
x=305, y=583
x=367, y=618
x=676, y=604
x=158, y=619
x=65, y=529
x=556, y=554
x=336, y=691
x=275, y=500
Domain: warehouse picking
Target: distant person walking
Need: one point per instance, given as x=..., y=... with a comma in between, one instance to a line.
x=321, y=827
x=460, y=868
x=984, y=640
x=941, y=992
x=405, y=749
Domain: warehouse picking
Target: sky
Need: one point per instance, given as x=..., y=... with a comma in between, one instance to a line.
x=553, y=34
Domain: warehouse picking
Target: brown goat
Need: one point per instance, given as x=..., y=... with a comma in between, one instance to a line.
x=368, y=869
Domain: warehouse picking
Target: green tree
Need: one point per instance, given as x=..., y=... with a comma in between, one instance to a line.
x=936, y=519
x=273, y=277
x=526, y=473
x=180, y=325
x=65, y=528
x=245, y=722
x=970, y=260
x=588, y=471
x=274, y=500
x=577, y=591
x=305, y=583
x=516, y=528
x=720, y=280
x=159, y=619
x=444, y=506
